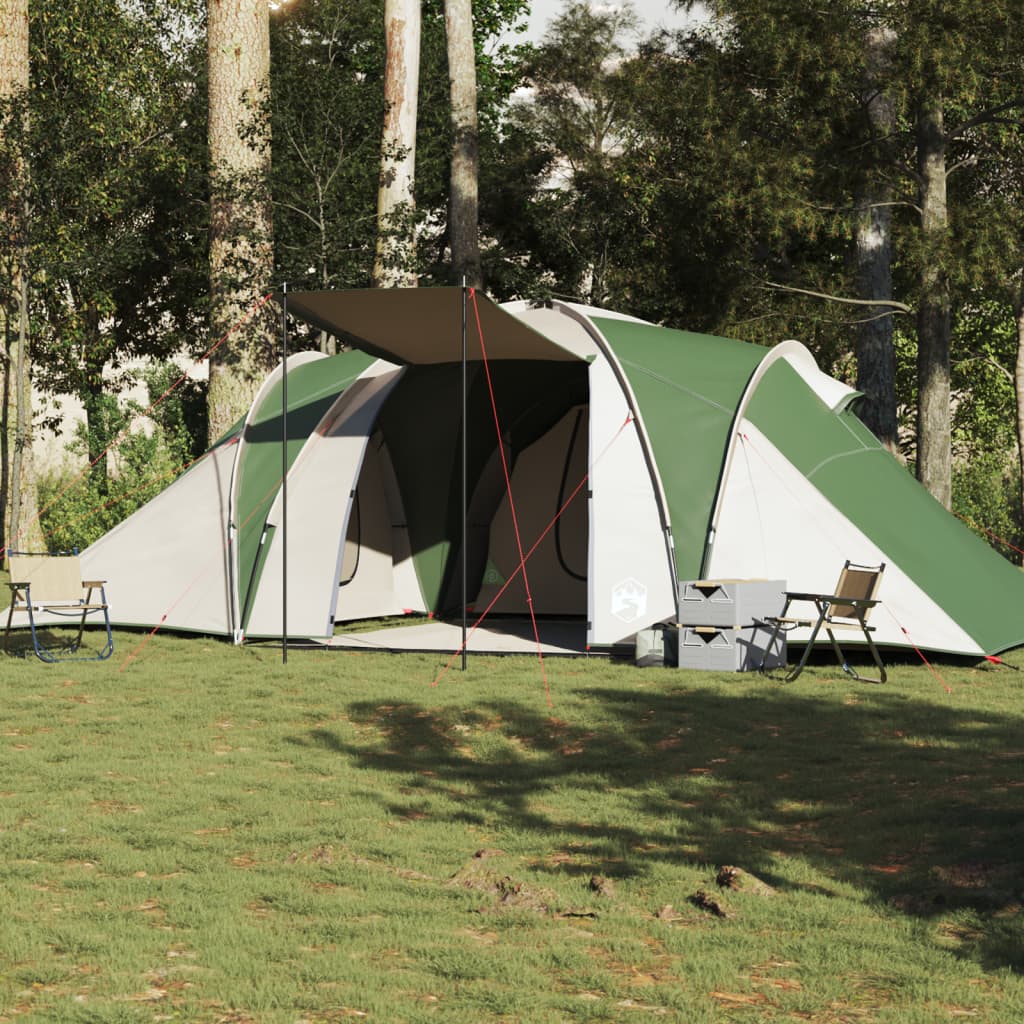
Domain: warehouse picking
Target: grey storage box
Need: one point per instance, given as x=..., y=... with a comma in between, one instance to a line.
x=650, y=647
x=732, y=603
x=724, y=648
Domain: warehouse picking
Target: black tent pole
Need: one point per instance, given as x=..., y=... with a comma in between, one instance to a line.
x=465, y=496
x=284, y=474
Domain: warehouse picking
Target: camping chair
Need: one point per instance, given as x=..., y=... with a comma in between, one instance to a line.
x=848, y=608
x=53, y=583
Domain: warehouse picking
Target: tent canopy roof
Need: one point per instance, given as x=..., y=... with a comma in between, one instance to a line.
x=418, y=326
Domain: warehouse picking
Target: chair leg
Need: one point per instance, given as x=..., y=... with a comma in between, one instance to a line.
x=807, y=649
x=849, y=669
x=10, y=617
x=762, y=668
x=41, y=652
x=109, y=648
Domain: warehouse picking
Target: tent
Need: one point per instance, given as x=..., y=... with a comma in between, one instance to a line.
x=638, y=456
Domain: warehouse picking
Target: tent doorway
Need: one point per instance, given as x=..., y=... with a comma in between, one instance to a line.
x=403, y=528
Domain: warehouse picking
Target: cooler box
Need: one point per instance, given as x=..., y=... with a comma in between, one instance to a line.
x=724, y=648
x=729, y=602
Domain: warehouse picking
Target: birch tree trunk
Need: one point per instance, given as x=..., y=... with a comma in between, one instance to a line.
x=395, y=262
x=18, y=486
x=876, y=354
x=934, y=458
x=241, y=236
x=463, y=200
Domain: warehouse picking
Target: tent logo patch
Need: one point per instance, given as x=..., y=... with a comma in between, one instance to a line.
x=493, y=575
x=629, y=600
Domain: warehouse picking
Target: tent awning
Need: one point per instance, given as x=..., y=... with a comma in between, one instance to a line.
x=418, y=326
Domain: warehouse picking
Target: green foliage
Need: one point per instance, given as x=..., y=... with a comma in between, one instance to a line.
x=78, y=508
x=115, y=147
x=986, y=495
x=177, y=403
x=204, y=834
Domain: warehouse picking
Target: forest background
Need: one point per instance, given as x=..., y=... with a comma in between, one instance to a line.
x=850, y=175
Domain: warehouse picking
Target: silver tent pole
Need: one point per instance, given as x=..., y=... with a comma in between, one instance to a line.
x=284, y=475
x=465, y=495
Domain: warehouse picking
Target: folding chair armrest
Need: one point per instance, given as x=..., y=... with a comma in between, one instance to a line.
x=16, y=586
x=93, y=583
x=857, y=602
x=791, y=621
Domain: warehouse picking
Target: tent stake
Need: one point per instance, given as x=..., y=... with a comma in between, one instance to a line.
x=465, y=497
x=284, y=474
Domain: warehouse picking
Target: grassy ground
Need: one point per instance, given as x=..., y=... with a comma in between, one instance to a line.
x=205, y=835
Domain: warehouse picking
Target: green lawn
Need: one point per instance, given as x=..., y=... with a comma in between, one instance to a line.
x=205, y=835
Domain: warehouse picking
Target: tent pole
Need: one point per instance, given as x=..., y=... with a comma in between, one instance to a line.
x=465, y=496
x=284, y=474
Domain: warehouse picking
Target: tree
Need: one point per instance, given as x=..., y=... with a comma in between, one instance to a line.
x=553, y=201
x=18, y=481
x=873, y=245
x=463, y=203
x=394, y=265
x=327, y=68
x=241, y=243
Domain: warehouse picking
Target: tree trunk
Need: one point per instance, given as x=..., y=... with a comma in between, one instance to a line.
x=20, y=506
x=463, y=219
x=934, y=459
x=395, y=263
x=876, y=354
x=241, y=243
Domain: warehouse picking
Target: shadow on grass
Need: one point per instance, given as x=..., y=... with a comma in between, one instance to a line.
x=916, y=803
x=59, y=642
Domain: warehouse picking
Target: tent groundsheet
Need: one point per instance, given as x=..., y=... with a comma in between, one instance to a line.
x=498, y=636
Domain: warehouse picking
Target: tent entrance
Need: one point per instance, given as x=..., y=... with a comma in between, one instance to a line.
x=403, y=532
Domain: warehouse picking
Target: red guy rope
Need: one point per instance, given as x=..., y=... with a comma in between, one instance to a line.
x=989, y=533
x=508, y=490
x=536, y=544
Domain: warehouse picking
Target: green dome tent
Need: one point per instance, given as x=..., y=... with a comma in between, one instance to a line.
x=671, y=456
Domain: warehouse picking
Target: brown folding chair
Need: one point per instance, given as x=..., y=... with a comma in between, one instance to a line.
x=847, y=609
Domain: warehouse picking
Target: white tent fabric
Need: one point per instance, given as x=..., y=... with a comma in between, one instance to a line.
x=631, y=579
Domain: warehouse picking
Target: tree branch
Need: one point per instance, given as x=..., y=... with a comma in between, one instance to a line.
x=994, y=363
x=894, y=307
x=989, y=117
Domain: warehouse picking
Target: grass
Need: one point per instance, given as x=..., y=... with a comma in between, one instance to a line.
x=205, y=835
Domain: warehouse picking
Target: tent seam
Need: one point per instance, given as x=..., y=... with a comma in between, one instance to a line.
x=646, y=371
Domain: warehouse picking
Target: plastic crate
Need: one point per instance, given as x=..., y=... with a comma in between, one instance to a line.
x=724, y=648
x=734, y=603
